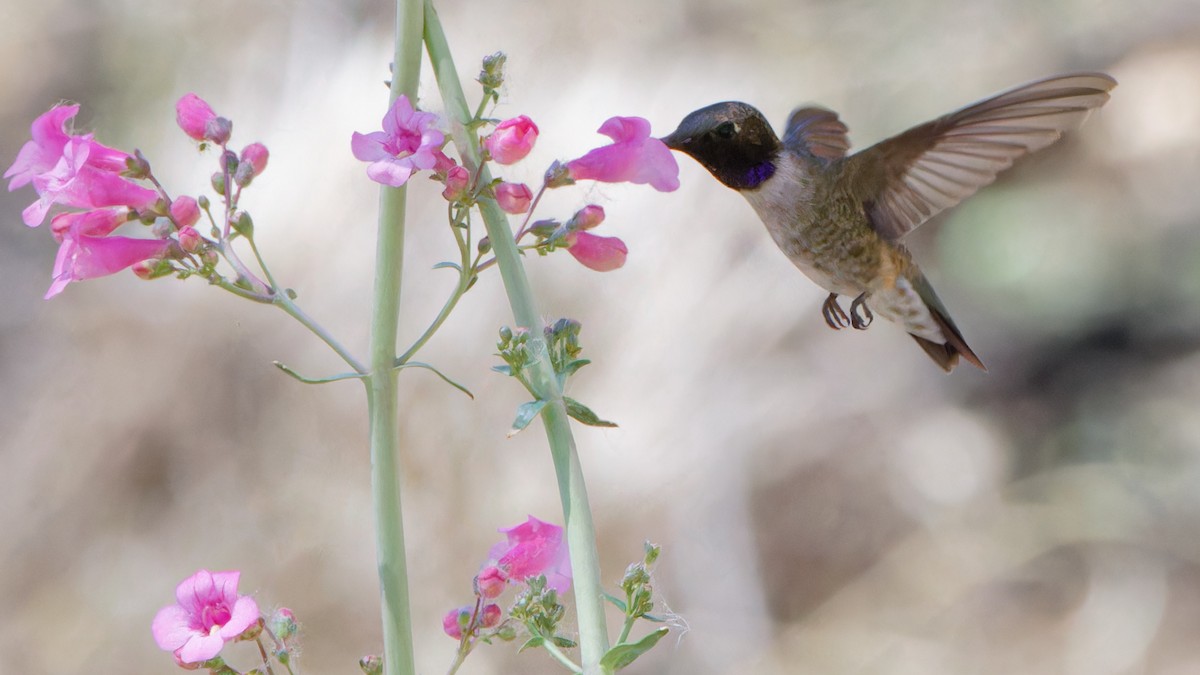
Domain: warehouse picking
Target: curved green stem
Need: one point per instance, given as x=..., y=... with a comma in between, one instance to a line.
x=581, y=538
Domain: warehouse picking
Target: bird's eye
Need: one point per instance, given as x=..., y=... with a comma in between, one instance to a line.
x=726, y=130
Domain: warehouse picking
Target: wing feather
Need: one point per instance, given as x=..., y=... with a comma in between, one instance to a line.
x=911, y=177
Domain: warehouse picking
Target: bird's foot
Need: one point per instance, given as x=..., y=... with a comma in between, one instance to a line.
x=834, y=315
x=860, y=314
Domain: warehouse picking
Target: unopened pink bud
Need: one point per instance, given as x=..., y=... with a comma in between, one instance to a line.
x=491, y=582
x=145, y=269
x=193, y=114
x=256, y=154
x=190, y=240
x=457, y=179
x=586, y=218
x=283, y=623
x=455, y=620
x=513, y=197
x=185, y=211
x=491, y=616
x=512, y=140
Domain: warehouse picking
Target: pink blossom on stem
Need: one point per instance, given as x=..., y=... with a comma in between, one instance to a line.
x=75, y=182
x=533, y=548
x=256, y=155
x=207, y=614
x=633, y=157
x=189, y=239
x=586, y=218
x=408, y=143
x=50, y=137
x=512, y=140
x=602, y=254
x=514, y=198
x=185, y=211
x=490, y=615
x=197, y=119
x=95, y=223
x=454, y=621
x=86, y=252
x=491, y=582
x=457, y=180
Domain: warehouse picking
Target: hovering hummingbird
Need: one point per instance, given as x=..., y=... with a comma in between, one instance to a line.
x=841, y=218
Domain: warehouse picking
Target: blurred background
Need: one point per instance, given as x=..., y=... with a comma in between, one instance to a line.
x=827, y=502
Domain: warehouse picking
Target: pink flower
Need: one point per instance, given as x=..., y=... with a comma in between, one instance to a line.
x=533, y=548
x=86, y=252
x=207, y=614
x=602, y=254
x=73, y=181
x=490, y=616
x=453, y=625
x=457, y=179
x=491, y=582
x=514, y=198
x=197, y=119
x=185, y=211
x=50, y=137
x=256, y=155
x=586, y=218
x=633, y=157
x=512, y=140
x=408, y=142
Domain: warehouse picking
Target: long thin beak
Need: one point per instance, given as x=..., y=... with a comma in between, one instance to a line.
x=674, y=140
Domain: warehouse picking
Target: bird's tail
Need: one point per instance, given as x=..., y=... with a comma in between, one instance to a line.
x=944, y=354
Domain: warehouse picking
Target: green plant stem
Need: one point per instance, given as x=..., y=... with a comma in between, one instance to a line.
x=581, y=536
x=381, y=384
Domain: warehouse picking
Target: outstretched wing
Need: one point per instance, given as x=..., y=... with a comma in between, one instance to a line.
x=908, y=178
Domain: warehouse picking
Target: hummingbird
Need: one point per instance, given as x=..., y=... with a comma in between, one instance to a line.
x=842, y=218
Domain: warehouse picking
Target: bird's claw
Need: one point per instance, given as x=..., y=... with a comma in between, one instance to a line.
x=834, y=315
x=860, y=314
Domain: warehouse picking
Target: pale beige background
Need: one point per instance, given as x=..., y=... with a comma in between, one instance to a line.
x=827, y=502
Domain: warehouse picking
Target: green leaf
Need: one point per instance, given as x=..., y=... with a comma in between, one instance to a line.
x=619, y=603
x=584, y=414
x=317, y=380
x=444, y=265
x=435, y=371
x=536, y=641
x=572, y=366
x=627, y=652
x=654, y=617
x=564, y=642
x=525, y=414
x=503, y=370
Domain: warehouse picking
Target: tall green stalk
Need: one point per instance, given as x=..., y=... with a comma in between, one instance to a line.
x=381, y=383
x=581, y=535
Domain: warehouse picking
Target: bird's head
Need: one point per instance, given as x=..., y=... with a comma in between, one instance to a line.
x=732, y=140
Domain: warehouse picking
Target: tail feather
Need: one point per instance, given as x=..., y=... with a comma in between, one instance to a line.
x=946, y=354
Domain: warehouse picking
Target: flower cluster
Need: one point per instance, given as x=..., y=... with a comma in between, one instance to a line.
x=96, y=184
x=410, y=142
x=533, y=549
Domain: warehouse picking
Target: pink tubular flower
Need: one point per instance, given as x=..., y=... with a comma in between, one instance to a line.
x=86, y=257
x=409, y=142
x=602, y=254
x=73, y=181
x=97, y=223
x=207, y=614
x=514, y=198
x=534, y=547
x=633, y=157
x=512, y=140
x=50, y=137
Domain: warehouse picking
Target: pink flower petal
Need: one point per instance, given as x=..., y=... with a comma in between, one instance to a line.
x=602, y=254
x=634, y=157
x=171, y=627
x=245, y=614
x=200, y=648
x=408, y=142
